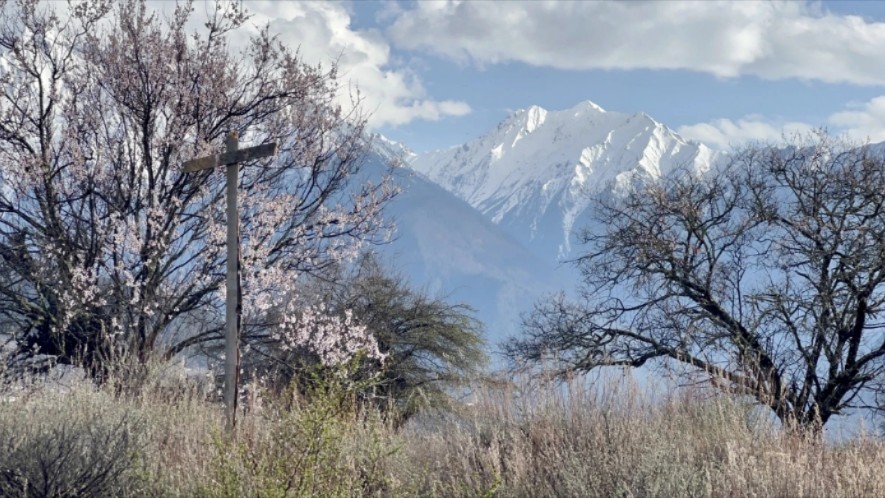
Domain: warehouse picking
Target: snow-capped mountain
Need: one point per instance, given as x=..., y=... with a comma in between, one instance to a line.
x=487, y=223
x=536, y=174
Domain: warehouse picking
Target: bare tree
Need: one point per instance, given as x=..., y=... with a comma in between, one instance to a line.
x=106, y=246
x=765, y=275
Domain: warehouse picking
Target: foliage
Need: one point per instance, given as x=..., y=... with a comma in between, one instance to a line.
x=527, y=437
x=766, y=275
x=48, y=448
x=106, y=245
x=431, y=348
x=307, y=452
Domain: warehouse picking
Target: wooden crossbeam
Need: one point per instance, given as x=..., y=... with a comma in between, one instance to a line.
x=230, y=157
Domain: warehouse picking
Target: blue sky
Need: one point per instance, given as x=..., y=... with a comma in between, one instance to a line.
x=436, y=74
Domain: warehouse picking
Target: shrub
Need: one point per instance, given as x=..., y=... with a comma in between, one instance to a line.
x=62, y=445
x=319, y=444
x=432, y=348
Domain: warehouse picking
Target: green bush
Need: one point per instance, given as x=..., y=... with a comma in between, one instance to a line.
x=318, y=444
x=433, y=348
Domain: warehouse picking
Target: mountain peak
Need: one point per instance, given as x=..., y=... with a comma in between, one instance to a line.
x=537, y=170
x=526, y=119
x=588, y=105
x=537, y=113
x=393, y=152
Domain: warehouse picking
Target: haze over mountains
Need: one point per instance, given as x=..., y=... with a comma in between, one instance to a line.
x=492, y=220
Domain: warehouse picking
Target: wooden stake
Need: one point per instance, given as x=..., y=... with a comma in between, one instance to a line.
x=232, y=312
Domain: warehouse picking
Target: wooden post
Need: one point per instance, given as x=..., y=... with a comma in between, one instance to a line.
x=232, y=157
x=232, y=311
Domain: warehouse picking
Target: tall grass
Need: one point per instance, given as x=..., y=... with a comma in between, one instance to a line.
x=514, y=439
x=617, y=440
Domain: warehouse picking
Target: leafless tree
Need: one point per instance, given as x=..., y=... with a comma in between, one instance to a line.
x=106, y=246
x=765, y=274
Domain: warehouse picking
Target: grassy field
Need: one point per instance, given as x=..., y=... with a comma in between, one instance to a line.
x=513, y=439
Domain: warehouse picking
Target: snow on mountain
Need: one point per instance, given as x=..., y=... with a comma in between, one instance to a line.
x=389, y=151
x=536, y=174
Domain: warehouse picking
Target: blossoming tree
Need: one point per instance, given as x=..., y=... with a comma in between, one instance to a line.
x=107, y=246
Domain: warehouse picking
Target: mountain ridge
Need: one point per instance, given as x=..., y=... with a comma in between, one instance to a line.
x=540, y=167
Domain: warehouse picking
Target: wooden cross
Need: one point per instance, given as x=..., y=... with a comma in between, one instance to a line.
x=232, y=157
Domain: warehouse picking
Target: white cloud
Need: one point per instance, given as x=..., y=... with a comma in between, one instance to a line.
x=863, y=123
x=866, y=123
x=392, y=94
x=772, y=40
x=322, y=32
x=724, y=134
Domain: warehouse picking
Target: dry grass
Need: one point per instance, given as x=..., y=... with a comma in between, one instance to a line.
x=519, y=440
x=617, y=441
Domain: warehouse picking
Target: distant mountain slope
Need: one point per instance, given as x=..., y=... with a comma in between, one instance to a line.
x=537, y=172
x=447, y=247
